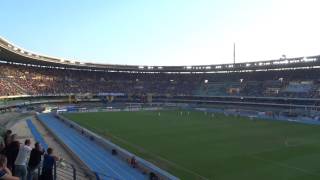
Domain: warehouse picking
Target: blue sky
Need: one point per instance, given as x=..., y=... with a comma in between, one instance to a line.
x=163, y=32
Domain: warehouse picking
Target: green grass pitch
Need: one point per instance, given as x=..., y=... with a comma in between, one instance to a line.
x=196, y=145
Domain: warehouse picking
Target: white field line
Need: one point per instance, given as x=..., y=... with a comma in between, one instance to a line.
x=284, y=165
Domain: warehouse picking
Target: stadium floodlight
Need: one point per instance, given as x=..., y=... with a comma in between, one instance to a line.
x=281, y=79
x=305, y=59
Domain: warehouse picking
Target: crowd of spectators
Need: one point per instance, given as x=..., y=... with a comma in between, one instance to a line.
x=37, y=81
x=8, y=89
x=31, y=80
x=20, y=161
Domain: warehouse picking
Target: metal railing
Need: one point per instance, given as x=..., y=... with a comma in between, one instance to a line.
x=63, y=170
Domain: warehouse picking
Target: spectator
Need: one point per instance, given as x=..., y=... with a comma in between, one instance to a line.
x=35, y=159
x=48, y=163
x=11, y=151
x=133, y=162
x=22, y=159
x=153, y=176
x=5, y=173
x=7, y=137
x=2, y=147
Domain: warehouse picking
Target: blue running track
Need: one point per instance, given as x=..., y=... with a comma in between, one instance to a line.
x=96, y=158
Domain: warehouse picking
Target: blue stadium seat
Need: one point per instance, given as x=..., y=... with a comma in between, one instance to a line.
x=36, y=134
x=95, y=157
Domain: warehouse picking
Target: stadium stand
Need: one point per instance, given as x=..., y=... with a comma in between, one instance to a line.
x=37, y=136
x=276, y=83
x=98, y=159
x=63, y=170
x=24, y=73
x=25, y=80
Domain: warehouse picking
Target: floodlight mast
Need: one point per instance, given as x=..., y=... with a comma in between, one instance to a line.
x=234, y=53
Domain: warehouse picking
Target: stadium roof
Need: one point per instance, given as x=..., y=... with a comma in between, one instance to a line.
x=11, y=53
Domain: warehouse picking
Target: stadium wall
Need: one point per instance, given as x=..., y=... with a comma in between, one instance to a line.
x=309, y=103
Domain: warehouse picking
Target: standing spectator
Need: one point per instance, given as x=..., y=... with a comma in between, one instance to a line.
x=5, y=173
x=2, y=147
x=47, y=167
x=11, y=151
x=22, y=159
x=7, y=137
x=35, y=159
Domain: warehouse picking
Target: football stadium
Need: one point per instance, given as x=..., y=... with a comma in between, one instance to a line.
x=67, y=119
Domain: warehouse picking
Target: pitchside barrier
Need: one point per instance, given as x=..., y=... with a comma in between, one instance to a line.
x=125, y=109
x=142, y=165
x=260, y=115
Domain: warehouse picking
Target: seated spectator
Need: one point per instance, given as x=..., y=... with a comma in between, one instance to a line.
x=35, y=159
x=153, y=176
x=133, y=162
x=48, y=163
x=11, y=151
x=5, y=173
